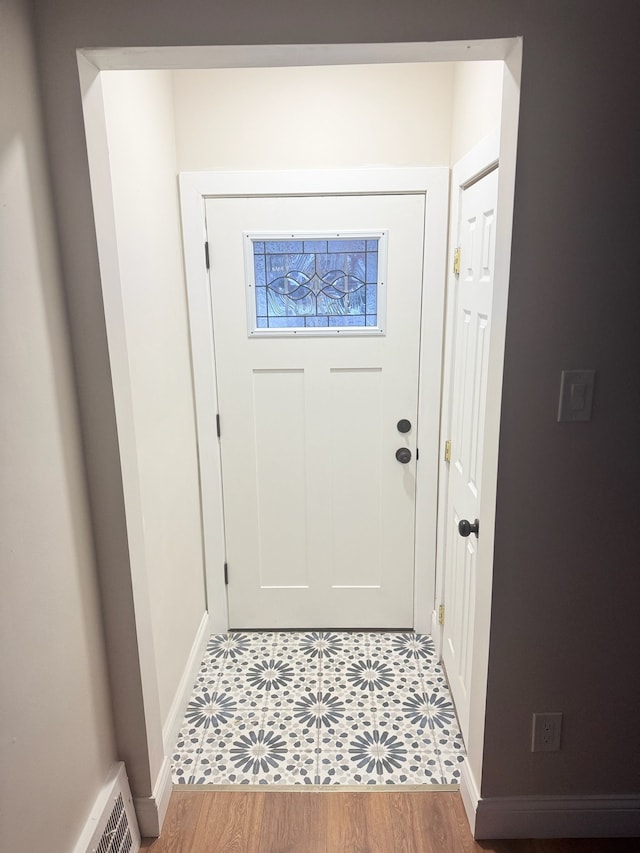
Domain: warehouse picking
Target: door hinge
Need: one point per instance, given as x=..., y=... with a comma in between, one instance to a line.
x=218, y=425
x=456, y=261
x=206, y=254
x=447, y=450
x=441, y=615
x=226, y=574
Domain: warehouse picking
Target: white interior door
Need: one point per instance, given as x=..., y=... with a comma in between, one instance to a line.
x=472, y=322
x=319, y=513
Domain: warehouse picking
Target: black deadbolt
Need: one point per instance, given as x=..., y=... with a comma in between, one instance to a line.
x=404, y=425
x=403, y=454
x=465, y=527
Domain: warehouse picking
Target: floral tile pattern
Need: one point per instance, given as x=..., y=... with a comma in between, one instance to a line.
x=319, y=707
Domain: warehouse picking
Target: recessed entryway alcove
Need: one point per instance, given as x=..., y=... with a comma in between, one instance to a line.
x=150, y=342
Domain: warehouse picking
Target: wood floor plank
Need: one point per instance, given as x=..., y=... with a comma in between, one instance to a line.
x=356, y=825
x=340, y=822
x=460, y=825
x=422, y=822
x=293, y=822
x=179, y=826
x=396, y=813
x=230, y=823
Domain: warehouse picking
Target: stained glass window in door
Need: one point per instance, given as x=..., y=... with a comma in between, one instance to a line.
x=317, y=283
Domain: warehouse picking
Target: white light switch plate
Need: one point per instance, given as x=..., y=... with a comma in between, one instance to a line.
x=576, y=395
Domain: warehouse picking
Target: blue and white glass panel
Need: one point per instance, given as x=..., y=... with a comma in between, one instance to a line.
x=316, y=284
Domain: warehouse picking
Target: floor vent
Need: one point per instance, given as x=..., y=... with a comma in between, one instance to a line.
x=116, y=837
x=112, y=827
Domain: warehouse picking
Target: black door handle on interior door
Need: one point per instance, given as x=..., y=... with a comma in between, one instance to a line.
x=465, y=527
x=403, y=454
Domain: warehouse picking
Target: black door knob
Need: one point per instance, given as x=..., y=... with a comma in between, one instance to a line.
x=465, y=527
x=403, y=425
x=403, y=454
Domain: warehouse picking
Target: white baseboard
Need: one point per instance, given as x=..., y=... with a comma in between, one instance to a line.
x=176, y=712
x=151, y=811
x=587, y=816
x=470, y=795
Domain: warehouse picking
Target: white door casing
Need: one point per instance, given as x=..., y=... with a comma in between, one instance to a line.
x=198, y=190
x=194, y=187
x=319, y=513
x=470, y=354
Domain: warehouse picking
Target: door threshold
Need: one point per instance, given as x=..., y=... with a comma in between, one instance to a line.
x=315, y=789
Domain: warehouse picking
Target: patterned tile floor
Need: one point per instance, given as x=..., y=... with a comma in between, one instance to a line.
x=324, y=708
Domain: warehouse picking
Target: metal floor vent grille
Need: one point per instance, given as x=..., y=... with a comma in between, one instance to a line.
x=112, y=826
x=116, y=837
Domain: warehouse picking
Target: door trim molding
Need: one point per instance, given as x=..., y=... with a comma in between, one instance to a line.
x=151, y=811
x=508, y=139
x=195, y=187
x=136, y=703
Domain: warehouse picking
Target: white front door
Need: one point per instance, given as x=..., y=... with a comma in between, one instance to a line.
x=319, y=513
x=473, y=296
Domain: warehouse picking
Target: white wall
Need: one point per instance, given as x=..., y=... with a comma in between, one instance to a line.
x=139, y=118
x=477, y=99
x=409, y=114
x=56, y=740
x=314, y=117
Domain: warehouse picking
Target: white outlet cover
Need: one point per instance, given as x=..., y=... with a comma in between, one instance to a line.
x=546, y=732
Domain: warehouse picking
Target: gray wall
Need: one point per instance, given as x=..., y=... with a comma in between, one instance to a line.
x=56, y=738
x=565, y=629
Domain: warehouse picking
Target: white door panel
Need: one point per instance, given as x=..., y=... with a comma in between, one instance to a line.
x=319, y=514
x=473, y=296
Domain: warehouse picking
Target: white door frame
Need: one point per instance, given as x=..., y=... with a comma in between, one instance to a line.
x=195, y=187
x=470, y=168
x=135, y=620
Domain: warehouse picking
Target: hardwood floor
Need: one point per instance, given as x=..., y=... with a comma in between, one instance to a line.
x=339, y=822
